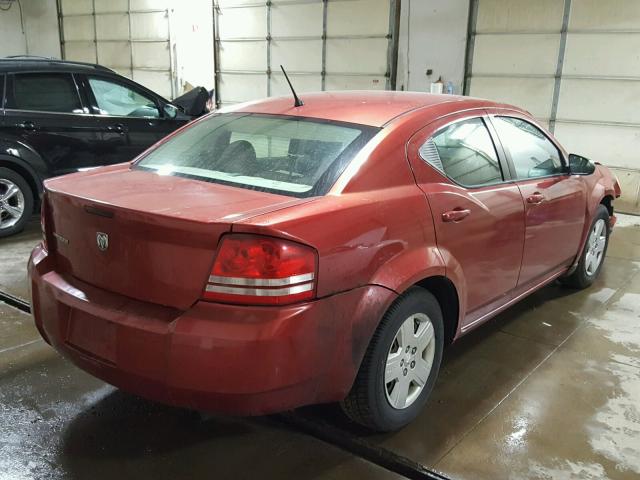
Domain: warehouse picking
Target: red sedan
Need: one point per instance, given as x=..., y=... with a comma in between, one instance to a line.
x=272, y=256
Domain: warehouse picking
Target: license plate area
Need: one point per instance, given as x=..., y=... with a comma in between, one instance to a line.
x=92, y=336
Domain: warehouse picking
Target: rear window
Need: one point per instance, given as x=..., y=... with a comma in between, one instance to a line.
x=293, y=156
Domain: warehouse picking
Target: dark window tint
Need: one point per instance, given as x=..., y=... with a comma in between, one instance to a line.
x=532, y=153
x=47, y=92
x=465, y=152
x=119, y=100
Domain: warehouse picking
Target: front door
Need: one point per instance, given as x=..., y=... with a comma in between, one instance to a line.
x=44, y=111
x=478, y=217
x=554, y=200
x=129, y=118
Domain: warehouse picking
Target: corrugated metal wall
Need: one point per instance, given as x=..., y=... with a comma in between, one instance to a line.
x=337, y=44
x=575, y=65
x=132, y=37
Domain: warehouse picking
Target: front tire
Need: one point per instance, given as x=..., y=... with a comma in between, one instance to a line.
x=401, y=364
x=593, y=253
x=16, y=202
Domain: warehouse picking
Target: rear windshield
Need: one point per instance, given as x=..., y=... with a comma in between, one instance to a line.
x=293, y=156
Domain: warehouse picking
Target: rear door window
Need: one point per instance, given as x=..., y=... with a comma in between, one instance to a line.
x=532, y=153
x=44, y=92
x=464, y=151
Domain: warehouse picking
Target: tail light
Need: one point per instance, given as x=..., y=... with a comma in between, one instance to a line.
x=43, y=221
x=257, y=270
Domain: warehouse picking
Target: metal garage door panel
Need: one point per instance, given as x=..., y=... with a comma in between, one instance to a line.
x=241, y=88
x=532, y=94
x=609, y=144
x=234, y=3
x=112, y=6
x=243, y=55
x=152, y=55
x=78, y=28
x=347, y=82
x=297, y=56
x=149, y=4
x=302, y=83
x=589, y=54
x=80, y=51
x=76, y=7
x=159, y=82
x=519, y=15
x=145, y=26
x=367, y=55
x=113, y=26
x=246, y=22
x=358, y=17
x=125, y=72
x=604, y=15
x=519, y=54
x=308, y=20
x=601, y=100
x=111, y=54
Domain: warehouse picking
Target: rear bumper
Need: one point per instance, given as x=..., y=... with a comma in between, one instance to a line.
x=215, y=357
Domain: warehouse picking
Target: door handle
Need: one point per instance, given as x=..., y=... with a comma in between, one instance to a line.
x=26, y=125
x=535, y=198
x=118, y=128
x=455, y=215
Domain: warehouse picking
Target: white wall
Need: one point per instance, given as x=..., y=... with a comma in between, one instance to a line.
x=40, y=35
x=193, y=40
x=433, y=35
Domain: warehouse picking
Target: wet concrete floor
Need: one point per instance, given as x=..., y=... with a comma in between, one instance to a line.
x=550, y=389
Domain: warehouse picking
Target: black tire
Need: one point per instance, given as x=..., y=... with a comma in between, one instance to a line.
x=581, y=278
x=367, y=402
x=16, y=179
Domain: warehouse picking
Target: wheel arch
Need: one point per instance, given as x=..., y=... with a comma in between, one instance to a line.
x=22, y=169
x=446, y=294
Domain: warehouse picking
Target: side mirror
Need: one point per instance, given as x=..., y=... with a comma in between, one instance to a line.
x=170, y=111
x=580, y=165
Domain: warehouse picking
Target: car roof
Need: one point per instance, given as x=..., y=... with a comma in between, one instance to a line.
x=32, y=63
x=366, y=107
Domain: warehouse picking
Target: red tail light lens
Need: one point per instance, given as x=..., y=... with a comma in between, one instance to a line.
x=257, y=270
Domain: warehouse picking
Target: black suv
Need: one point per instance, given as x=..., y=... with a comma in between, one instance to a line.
x=58, y=117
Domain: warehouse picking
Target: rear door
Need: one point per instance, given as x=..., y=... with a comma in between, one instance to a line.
x=44, y=110
x=478, y=215
x=130, y=119
x=554, y=201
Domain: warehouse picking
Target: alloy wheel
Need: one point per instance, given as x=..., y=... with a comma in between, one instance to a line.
x=409, y=361
x=595, y=247
x=12, y=203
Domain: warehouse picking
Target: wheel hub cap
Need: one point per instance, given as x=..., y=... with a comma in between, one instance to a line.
x=595, y=247
x=409, y=361
x=11, y=203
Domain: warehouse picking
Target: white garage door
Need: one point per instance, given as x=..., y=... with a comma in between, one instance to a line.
x=132, y=37
x=323, y=45
x=575, y=65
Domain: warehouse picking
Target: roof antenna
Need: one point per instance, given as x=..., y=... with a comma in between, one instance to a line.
x=297, y=102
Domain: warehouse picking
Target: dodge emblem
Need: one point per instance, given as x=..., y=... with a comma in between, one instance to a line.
x=102, y=239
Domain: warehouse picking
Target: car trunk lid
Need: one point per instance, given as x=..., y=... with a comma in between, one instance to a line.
x=144, y=235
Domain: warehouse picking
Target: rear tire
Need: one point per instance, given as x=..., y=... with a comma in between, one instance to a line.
x=16, y=202
x=401, y=364
x=593, y=253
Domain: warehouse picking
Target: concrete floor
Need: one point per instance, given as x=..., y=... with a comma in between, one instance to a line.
x=550, y=389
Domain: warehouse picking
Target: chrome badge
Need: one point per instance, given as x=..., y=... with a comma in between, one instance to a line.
x=102, y=239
